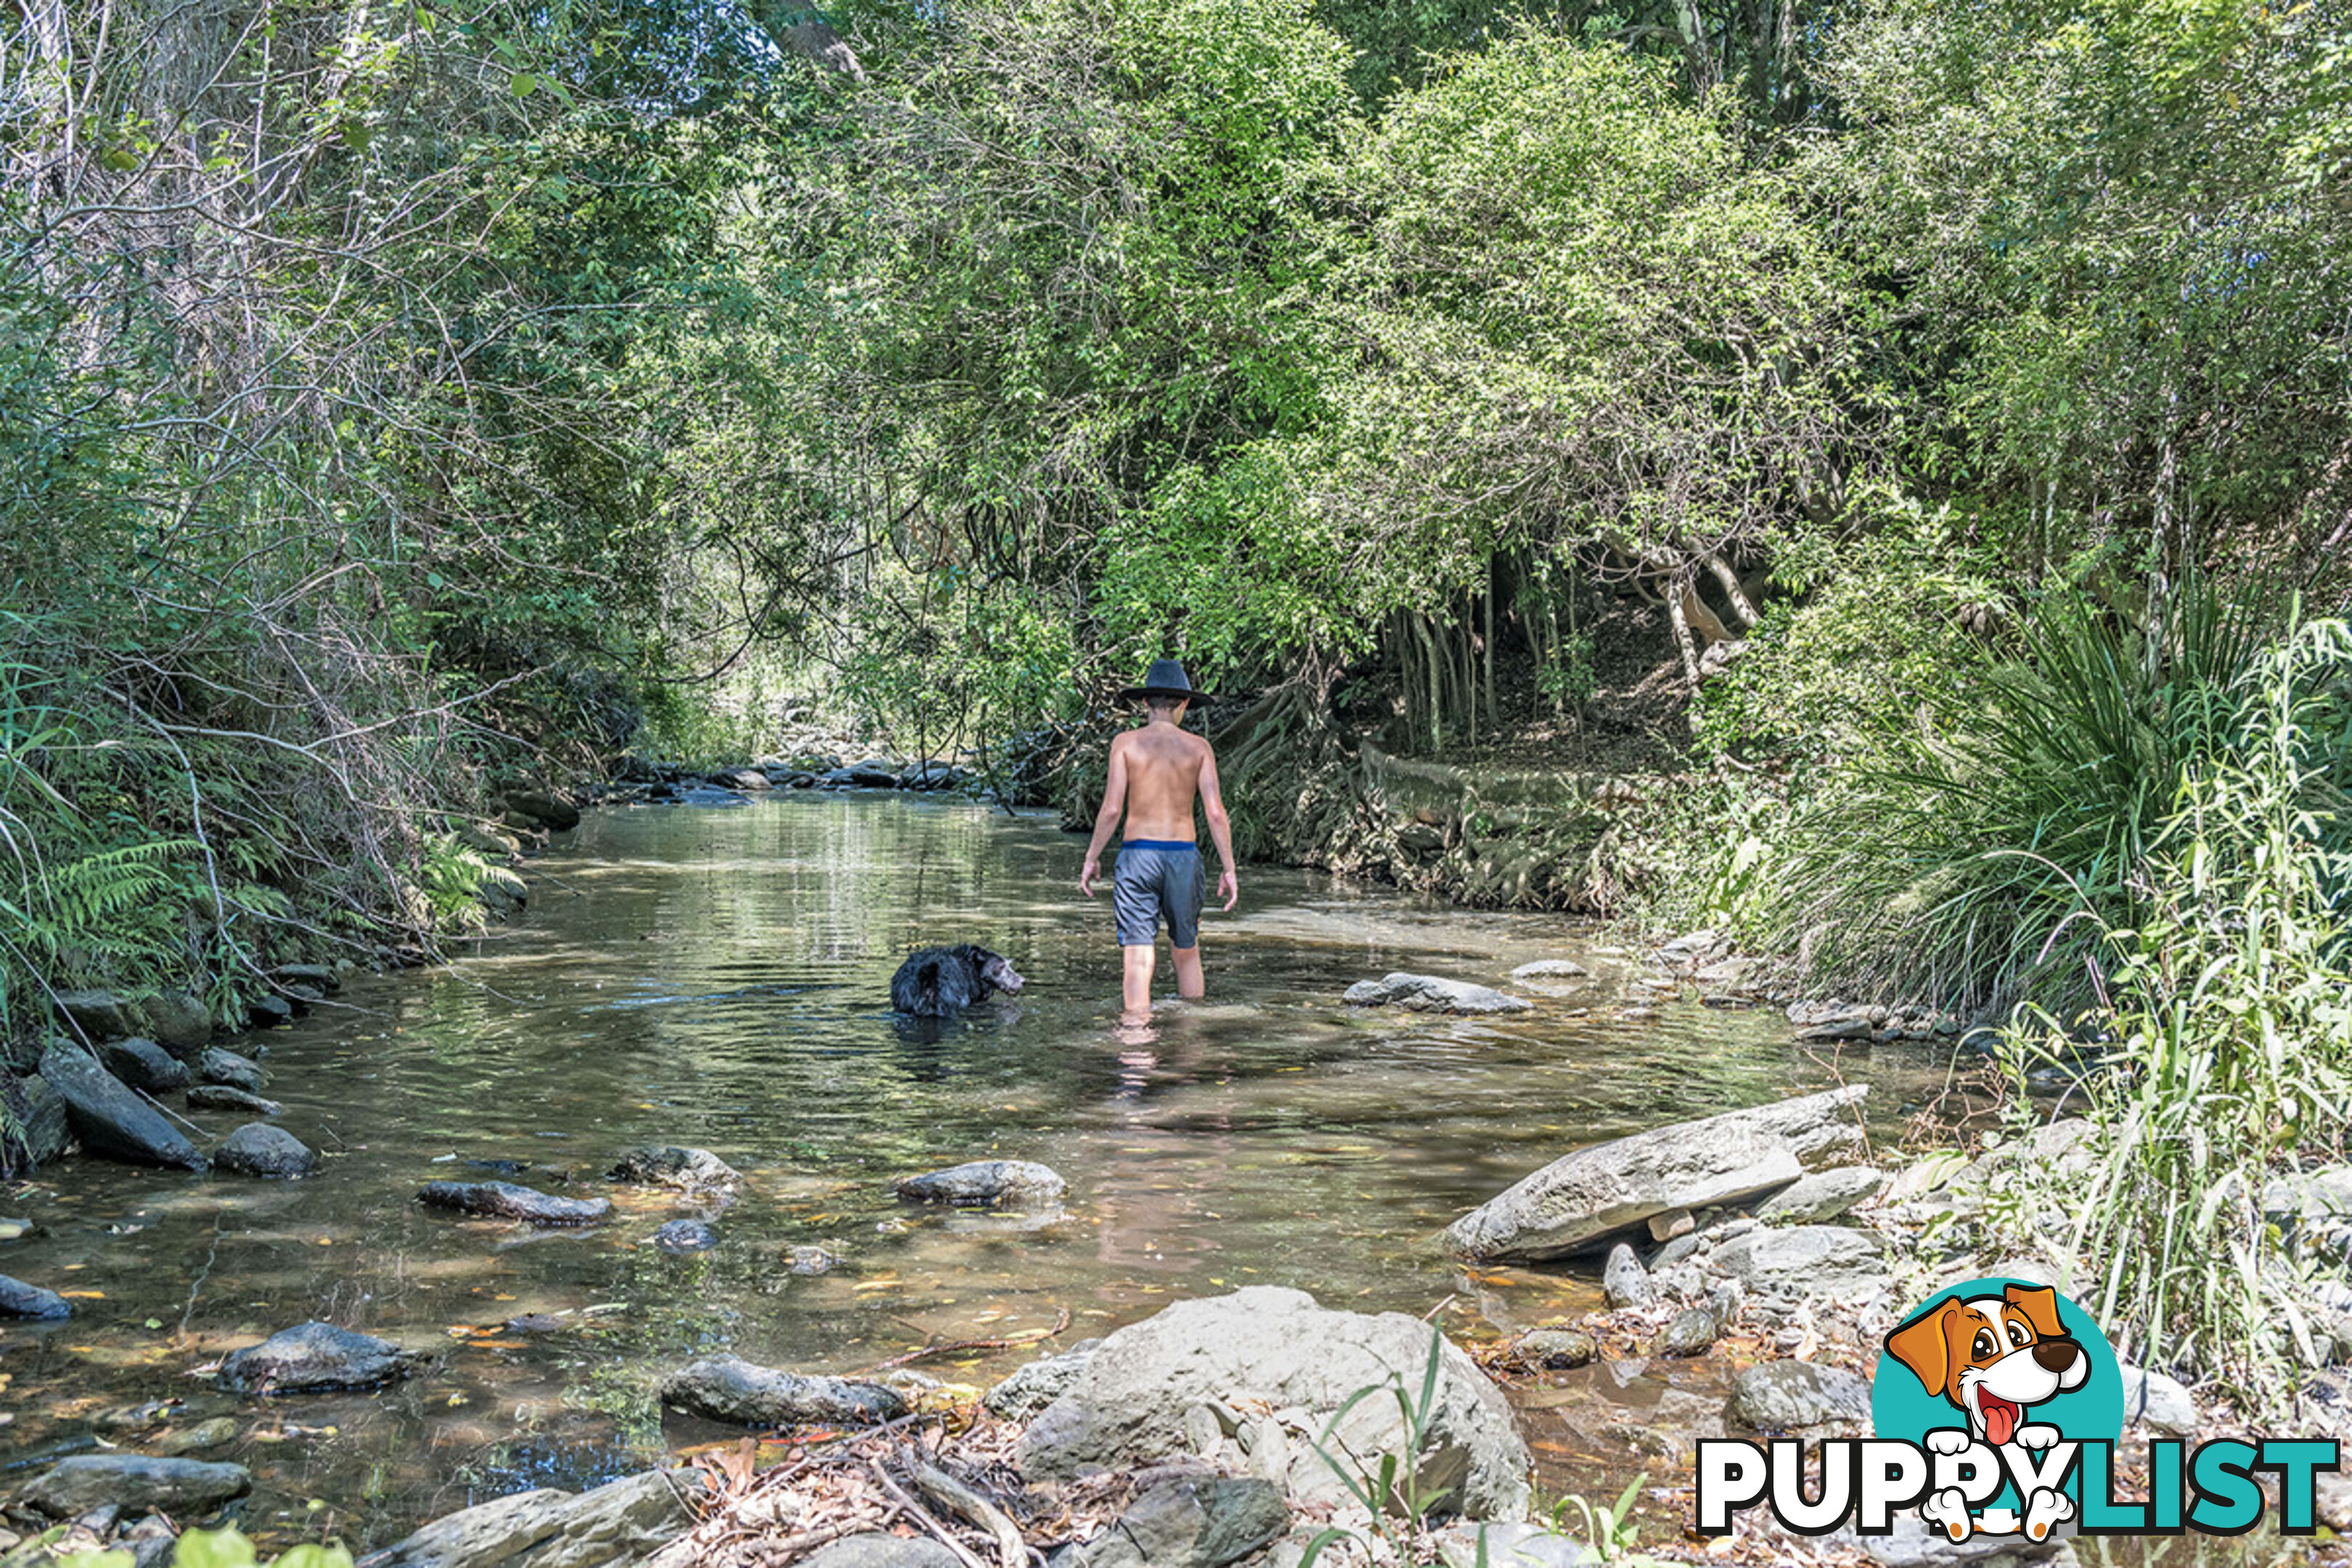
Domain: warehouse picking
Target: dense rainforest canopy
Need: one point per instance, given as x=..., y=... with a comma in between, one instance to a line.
x=387, y=390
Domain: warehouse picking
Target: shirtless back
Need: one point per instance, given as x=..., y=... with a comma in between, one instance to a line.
x=1156, y=775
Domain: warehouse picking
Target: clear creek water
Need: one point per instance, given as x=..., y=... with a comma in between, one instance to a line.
x=720, y=978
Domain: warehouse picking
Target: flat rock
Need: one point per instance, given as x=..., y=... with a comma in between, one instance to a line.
x=1823, y=1195
x=315, y=1357
x=109, y=1119
x=875, y=1549
x=1277, y=1348
x=136, y=1484
x=1550, y=969
x=98, y=1015
x=1431, y=994
x=1033, y=1387
x=221, y=1097
x=18, y=1300
x=619, y=1523
x=726, y=1388
x=1796, y=1395
x=985, y=1182
x=214, y=1065
x=143, y=1064
x=257, y=1149
x=1192, y=1523
x=504, y=1200
x=670, y=1165
x=1805, y=1260
x=1583, y=1198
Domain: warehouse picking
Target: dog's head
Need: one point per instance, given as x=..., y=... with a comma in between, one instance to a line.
x=998, y=971
x=1992, y=1355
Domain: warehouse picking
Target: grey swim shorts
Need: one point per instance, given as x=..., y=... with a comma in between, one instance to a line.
x=1156, y=877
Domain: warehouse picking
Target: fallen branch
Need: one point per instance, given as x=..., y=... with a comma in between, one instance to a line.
x=1011, y=1342
x=953, y=1495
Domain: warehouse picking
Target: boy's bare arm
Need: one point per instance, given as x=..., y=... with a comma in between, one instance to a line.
x=1106, y=819
x=1221, y=826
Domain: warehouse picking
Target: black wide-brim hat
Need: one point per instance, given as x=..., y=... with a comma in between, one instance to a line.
x=1166, y=678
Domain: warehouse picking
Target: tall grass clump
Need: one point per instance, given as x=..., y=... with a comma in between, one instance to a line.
x=2231, y=1055
x=1980, y=859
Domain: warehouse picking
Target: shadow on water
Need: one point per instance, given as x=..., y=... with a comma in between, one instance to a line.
x=722, y=979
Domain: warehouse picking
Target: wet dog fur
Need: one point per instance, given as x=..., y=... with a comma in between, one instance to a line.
x=940, y=982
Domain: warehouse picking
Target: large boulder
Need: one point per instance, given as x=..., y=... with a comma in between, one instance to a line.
x=1033, y=1387
x=725, y=1388
x=143, y=1064
x=314, y=1357
x=1430, y=993
x=136, y=1484
x=98, y=1015
x=257, y=1149
x=619, y=1523
x=504, y=1200
x=18, y=1300
x=991, y=1182
x=544, y=806
x=109, y=1120
x=1578, y=1201
x=1275, y=1349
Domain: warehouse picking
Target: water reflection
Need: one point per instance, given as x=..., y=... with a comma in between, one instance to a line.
x=722, y=979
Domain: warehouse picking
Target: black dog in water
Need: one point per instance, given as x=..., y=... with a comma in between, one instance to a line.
x=940, y=982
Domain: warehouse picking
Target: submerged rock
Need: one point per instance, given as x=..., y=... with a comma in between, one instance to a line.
x=18, y=1300
x=1583, y=1198
x=109, y=1119
x=257, y=1149
x=1275, y=1347
x=1555, y=1349
x=214, y=1065
x=1550, y=969
x=504, y=1200
x=143, y=1064
x=810, y=1260
x=622, y=1521
x=727, y=1388
x=686, y=1236
x=212, y=1434
x=1429, y=993
x=988, y=1182
x=134, y=1483
x=221, y=1097
x=669, y=1165
x=314, y=1357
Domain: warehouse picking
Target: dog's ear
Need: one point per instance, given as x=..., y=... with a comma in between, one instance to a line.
x=1925, y=1345
x=2040, y=1305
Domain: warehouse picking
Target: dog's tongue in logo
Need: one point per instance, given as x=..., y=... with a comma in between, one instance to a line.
x=2000, y=1419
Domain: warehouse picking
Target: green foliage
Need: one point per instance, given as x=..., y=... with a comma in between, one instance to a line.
x=1609, y=1528
x=225, y=1548
x=1389, y=1487
x=2229, y=1048
x=1983, y=857
x=451, y=880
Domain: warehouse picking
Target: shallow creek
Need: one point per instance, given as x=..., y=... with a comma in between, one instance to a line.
x=720, y=977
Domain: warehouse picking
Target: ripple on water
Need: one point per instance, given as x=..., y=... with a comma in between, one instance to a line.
x=722, y=979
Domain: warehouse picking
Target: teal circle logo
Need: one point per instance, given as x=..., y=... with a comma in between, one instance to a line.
x=1993, y=1373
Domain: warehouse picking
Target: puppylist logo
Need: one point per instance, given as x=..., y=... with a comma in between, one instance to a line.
x=1996, y=1408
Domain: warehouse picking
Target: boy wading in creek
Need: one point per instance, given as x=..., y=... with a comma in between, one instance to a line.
x=1155, y=774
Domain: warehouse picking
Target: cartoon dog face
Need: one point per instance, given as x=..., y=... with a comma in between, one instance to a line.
x=1992, y=1356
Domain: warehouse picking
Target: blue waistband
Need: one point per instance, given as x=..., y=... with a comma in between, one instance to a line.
x=1177, y=843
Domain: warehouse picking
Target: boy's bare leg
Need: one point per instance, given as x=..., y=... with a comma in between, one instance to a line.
x=1135, y=982
x=1189, y=983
